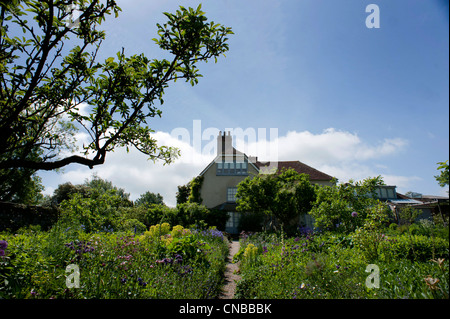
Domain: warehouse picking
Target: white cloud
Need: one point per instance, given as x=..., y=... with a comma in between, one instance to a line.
x=400, y=181
x=136, y=174
x=329, y=146
x=338, y=153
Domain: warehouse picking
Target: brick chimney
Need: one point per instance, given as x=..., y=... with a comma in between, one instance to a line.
x=224, y=143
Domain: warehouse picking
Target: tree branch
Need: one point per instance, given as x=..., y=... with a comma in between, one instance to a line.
x=48, y=166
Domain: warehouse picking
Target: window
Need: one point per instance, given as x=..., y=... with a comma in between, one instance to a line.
x=232, y=168
x=231, y=194
x=385, y=192
x=391, y=193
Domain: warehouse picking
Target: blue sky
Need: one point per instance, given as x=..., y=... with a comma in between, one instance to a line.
x=351, y=101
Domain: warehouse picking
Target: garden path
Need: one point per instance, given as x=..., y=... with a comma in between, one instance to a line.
x=230, y=274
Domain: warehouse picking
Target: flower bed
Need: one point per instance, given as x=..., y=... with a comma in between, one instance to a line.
x=164, y=262
x=334, y=265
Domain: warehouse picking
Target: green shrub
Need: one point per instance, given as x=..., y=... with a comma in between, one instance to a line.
x=93, y=214
x=414, y=229
x=190, y=214
x=442, y=232
x=131, y=225
x=217, y=218
x=343, y=207
x=190, y=248
x=405, y=279
x=138, y=212
x=369, y=237
x=416, y=247
x=393, y=226
x=159, y=213
x=251, y=222
x=428, y=228
x=15, y=216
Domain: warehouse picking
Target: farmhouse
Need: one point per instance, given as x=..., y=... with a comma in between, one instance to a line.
x=230, y=167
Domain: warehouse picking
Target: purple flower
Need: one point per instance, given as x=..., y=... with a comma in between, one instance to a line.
x=185, y=270
x=3, y=244
x=178, y=259
x=165, y=261
x=354, y=214
x=305, y=231
x=141, y=282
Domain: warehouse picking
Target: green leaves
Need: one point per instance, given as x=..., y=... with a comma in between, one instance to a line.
x=283, y=196
x=187, y=36
x=443, y=178
x=334, y=205
x=40, y=85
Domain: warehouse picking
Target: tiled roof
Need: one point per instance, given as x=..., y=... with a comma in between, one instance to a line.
x=300, y=168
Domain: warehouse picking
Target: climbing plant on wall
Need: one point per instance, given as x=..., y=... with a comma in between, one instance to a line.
x=196, y=185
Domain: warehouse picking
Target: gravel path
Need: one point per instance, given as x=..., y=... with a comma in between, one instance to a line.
x=230, y=273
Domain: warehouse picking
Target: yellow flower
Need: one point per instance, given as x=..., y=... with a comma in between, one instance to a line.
x=165, y=228
x=179, y=231
x=250, y=251
x=167, y=239
x=158, y=230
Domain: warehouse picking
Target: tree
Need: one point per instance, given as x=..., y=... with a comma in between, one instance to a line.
x=66, y=190
x=91, y=188
x=191, y=213
x=183, y=193
x=50, y=72
x=20, y=186
x=195, y=187
x=344, y=207
x=149, y=198
x=443, y=177
x=98, y=186
x=190, y=193
x=283, y=196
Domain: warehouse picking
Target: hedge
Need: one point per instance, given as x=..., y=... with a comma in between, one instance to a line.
x=14, y=216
